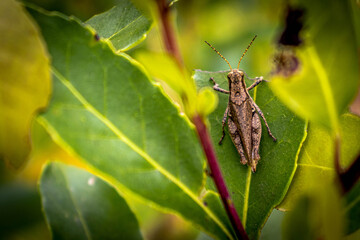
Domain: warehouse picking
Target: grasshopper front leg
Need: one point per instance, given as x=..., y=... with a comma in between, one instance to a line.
x=216, y=87
x=226, y=113
x=257, y=82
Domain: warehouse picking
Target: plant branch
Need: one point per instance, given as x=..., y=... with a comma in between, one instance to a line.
x=168, y=32
x=218, y=178
x=172, y=48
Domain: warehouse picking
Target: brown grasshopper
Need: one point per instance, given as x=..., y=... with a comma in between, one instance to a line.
x=242, y=114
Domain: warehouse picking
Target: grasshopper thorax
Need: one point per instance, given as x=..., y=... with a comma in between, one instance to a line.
x=235, y=76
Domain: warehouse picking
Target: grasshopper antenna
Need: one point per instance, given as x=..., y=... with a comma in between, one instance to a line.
x=245, y=51
x=219, y=54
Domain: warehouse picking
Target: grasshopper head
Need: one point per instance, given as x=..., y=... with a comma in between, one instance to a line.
x=235, y=76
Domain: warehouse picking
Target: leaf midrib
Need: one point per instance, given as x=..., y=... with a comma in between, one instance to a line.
x=325, y=87
x=135, y=148
x=81, y=218
x=247, y=183
x=126, y=26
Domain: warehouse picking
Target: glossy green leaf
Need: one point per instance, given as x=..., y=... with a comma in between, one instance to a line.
x=24, y=81
x=328, y=75
x=107, y=111
x=79, y=205
x=256, y=194
x=317, y=157
x=124, y=25
x=207, y=101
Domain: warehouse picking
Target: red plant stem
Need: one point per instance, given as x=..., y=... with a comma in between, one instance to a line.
x=172, y=48
x=218, y=178
x=168, y=32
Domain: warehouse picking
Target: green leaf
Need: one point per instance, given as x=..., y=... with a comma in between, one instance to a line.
x=317, y=157
x=328, y=75
x=256, y=194
x=164, y=68
x=79, y=205
x=207, y=101
x=106, y=110
x=24, y=81
x=124, y=25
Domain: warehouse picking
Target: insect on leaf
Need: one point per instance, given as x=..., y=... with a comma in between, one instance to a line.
x=256, y=194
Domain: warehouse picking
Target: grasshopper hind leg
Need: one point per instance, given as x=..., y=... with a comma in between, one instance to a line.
x=236, y=140
x=255, y=139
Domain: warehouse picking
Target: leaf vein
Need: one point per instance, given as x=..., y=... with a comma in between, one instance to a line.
x=81, y=218
x=126, y=26
x=138, y=150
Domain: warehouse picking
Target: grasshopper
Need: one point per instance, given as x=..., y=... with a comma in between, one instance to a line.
x=242, y=114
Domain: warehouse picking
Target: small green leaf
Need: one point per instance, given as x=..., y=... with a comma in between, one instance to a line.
x=79, y=205
x=124, y=25
x=317, y=157
x=207, y=101
x=165, y=68
x=256, y=194
x=24, y=81
x=108, y=112
x=328, y=76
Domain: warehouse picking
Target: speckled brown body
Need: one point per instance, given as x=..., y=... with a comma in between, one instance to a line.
x=240, y=120
x=242, y=115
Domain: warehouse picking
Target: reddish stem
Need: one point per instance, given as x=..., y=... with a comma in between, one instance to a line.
x=172, y=48
x=168, y=32
x=218, y=178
